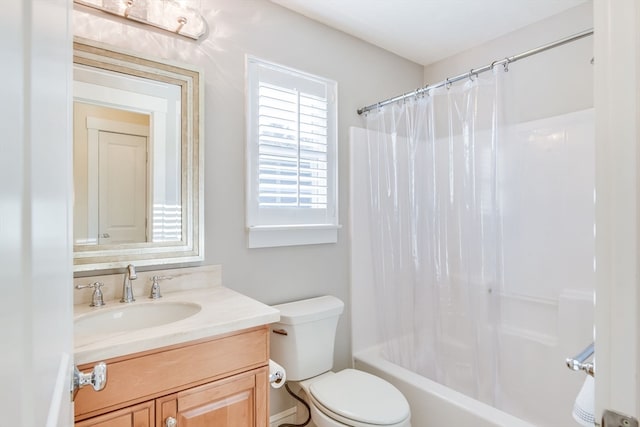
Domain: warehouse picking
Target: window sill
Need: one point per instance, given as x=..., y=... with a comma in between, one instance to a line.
x=268, y=236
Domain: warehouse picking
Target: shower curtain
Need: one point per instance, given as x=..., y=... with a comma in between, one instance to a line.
x=436, y=231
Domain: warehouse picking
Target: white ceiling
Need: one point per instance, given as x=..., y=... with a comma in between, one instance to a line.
x=426, y=31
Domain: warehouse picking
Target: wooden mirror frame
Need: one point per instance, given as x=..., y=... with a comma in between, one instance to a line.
x=190, y=80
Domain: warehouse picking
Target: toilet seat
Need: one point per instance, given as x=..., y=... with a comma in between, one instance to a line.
x=359, y=399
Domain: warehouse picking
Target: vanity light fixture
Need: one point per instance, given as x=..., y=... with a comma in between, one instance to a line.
x=168, y=15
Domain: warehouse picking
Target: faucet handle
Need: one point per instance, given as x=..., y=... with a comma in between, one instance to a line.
x=97, y=299
x=155, y=286
x=131, y=272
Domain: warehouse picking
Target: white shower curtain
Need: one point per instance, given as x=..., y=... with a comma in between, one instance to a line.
x=435, y=231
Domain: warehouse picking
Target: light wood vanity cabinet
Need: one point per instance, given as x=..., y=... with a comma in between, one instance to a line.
x=230, y=402
x=217, y=382
x=141, y=415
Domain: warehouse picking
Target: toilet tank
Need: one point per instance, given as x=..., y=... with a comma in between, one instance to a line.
x=303, y=340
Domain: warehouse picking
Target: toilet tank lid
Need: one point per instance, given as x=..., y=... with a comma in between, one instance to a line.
x=309, y=310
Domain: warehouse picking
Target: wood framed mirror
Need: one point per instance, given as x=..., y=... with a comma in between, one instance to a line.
x=138, y=153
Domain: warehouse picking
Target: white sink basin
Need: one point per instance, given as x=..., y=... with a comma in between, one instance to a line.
x=130, y=317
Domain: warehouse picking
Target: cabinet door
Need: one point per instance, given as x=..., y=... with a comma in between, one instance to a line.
x=134, y=416
x=238, y=401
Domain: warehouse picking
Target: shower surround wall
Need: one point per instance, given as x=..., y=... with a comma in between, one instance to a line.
x=544, y=302
x=546, y=185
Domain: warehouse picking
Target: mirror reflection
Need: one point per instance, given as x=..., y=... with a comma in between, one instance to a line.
x=137, y=151
x=126, y=177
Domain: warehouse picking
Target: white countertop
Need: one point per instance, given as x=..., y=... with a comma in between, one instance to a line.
x=223, y=311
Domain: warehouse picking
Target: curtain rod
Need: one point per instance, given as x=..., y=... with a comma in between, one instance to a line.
x=505, y=61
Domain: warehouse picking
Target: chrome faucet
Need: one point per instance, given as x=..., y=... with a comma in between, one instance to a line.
x=127, y=287
x=97, y=299
x=155, y=286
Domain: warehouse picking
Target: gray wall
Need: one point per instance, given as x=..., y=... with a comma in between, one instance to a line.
x=365, y=74
x=551, y=83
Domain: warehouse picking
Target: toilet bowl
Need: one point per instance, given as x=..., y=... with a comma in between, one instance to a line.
x=356, y=399
x=303, y=343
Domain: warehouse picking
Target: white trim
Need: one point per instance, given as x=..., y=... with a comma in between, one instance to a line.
x=295, y=227
x=92, y=93
x=93, y=136
x=616, y=47
x=265, y=237
x=286, y=416
x=117, y=127
x=60, y=392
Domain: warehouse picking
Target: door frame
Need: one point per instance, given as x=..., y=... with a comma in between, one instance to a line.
x=617, y=106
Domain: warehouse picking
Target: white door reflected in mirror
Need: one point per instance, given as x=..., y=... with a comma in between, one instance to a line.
x=110, y=176
x=122, y=188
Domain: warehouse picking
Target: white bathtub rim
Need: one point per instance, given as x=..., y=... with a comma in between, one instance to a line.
x=493, y=416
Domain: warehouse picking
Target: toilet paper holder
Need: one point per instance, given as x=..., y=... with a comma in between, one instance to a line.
x=276, y=376
x=579, y=361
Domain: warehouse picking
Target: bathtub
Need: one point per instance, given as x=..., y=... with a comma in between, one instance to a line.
x=432, y=404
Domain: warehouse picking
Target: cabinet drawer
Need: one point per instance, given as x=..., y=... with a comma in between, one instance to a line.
x=153, y=374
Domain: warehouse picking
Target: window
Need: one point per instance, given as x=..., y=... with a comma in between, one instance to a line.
x=291, y=157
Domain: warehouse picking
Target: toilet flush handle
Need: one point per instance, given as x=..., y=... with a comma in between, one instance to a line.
x=280, y=332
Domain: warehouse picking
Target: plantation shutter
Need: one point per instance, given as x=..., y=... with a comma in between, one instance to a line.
x=292, y=154
x=292, y=149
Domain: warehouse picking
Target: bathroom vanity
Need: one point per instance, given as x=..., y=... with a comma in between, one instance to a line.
x=220, y=381
x=198, y=355
x=210, y=368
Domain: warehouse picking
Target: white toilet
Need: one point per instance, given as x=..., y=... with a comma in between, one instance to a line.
x=302, y=342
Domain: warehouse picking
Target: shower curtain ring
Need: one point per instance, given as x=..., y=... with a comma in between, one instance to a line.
x=506, y=65
x=471, y=74
x=447, y=83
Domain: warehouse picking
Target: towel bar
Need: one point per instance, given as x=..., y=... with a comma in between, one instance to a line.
x=579, y=362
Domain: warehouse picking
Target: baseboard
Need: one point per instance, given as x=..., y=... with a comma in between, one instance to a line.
x=286, y=416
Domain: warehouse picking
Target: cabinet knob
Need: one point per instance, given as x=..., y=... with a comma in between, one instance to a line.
x=170, y=422
x=96, y=378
